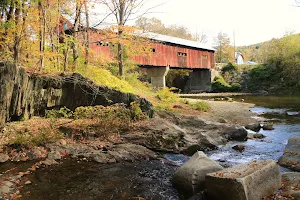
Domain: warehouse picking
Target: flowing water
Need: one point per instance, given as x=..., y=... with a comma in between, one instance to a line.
x=151, y=179
x=283, y=112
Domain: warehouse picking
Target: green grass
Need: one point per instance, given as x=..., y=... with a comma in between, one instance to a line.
x=200, y=105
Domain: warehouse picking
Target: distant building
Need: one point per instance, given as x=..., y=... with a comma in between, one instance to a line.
x=250, y=63
x=239, y=58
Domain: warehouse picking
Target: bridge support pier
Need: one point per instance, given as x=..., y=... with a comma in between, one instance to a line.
x=199, y=81
x=158, y=76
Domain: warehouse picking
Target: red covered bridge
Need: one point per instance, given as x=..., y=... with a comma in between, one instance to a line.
x=168, y=52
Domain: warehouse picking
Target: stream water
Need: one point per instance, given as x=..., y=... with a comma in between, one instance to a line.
x=151, y=179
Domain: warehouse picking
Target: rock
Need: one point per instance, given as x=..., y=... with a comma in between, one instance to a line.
x=237, y=133
x=291, y=155
x=251, y=181
x=22, y=95
x=239, y=148
x=267, y=127
x=253, y=127
x=178, y=106
x=222, y=120
x=190, y=178
x=290, y=185
x=8, y=183
x=55, y=155
x=27, y=183
x=4, y=189
x=291, y=113
x=204, y=146
x=62, y=142
x=258, y=136
x=131, y=152
x=36, y=153
x=3, y=158
x=49, y=162
x=198, y=196
x=101, y=158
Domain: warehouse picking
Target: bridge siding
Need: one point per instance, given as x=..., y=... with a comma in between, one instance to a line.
x=164, y=55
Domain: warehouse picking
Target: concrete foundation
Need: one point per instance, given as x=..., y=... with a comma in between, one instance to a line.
x=158, y=76
x=252, y=181
x=199, y=81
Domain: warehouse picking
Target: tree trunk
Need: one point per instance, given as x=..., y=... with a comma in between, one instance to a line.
x=87, y=44
x=17, y=36
x=42, y=34
x=120, y=59
x=120, y=34
x=75, y=33
x=58, y=36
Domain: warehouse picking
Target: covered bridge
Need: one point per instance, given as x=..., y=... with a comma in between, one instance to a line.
x=167, y=53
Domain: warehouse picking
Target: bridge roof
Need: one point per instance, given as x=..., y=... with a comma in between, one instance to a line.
x=175, y=40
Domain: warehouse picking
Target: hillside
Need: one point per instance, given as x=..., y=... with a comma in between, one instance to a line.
x=257, y=52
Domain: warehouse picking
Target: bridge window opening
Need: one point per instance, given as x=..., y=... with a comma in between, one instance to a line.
x=181, y=57
x=153, y=50
x=182, y=54
x=101, y=43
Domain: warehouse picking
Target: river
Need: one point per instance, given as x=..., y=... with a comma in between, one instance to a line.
x=151, y=179
x=283, y=113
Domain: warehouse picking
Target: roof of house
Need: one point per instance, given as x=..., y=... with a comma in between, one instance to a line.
x=175, y=40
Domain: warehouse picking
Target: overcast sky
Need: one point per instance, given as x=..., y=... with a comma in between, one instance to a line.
x=252, y=20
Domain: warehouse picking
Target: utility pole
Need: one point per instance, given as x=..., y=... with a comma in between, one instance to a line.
x=234, y=45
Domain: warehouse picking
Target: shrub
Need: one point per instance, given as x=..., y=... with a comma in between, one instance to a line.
x=166, y=95
x=236, y=87
x=229, y=67
x=63, y=112
x=220, y=85
x=136, y=112
x=106, y=121
x=200, y=105
x=41, y=137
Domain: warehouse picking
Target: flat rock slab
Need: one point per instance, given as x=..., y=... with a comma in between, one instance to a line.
x=190, y=178
x=291, y=155
x=252, y=181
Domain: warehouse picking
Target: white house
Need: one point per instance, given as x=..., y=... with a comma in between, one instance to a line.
x=239, y=58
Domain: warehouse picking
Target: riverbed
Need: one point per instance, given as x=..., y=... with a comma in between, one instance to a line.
x=152, y=179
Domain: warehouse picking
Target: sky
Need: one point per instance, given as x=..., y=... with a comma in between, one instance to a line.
x=253, y=21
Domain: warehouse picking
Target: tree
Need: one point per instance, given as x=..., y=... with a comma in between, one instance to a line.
x=122, y=11
x=201, y=37
x=224, y=52
x=155, y=25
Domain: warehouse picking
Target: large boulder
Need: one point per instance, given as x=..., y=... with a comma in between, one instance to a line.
x=253, y=127
x=251, y=181
x=291, y=155
x=23, y=95
x=236, y=133
x=190, y=178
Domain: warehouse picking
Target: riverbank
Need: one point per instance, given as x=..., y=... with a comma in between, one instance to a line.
x=210, y=95
x=143, y=140
x=231, y=112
